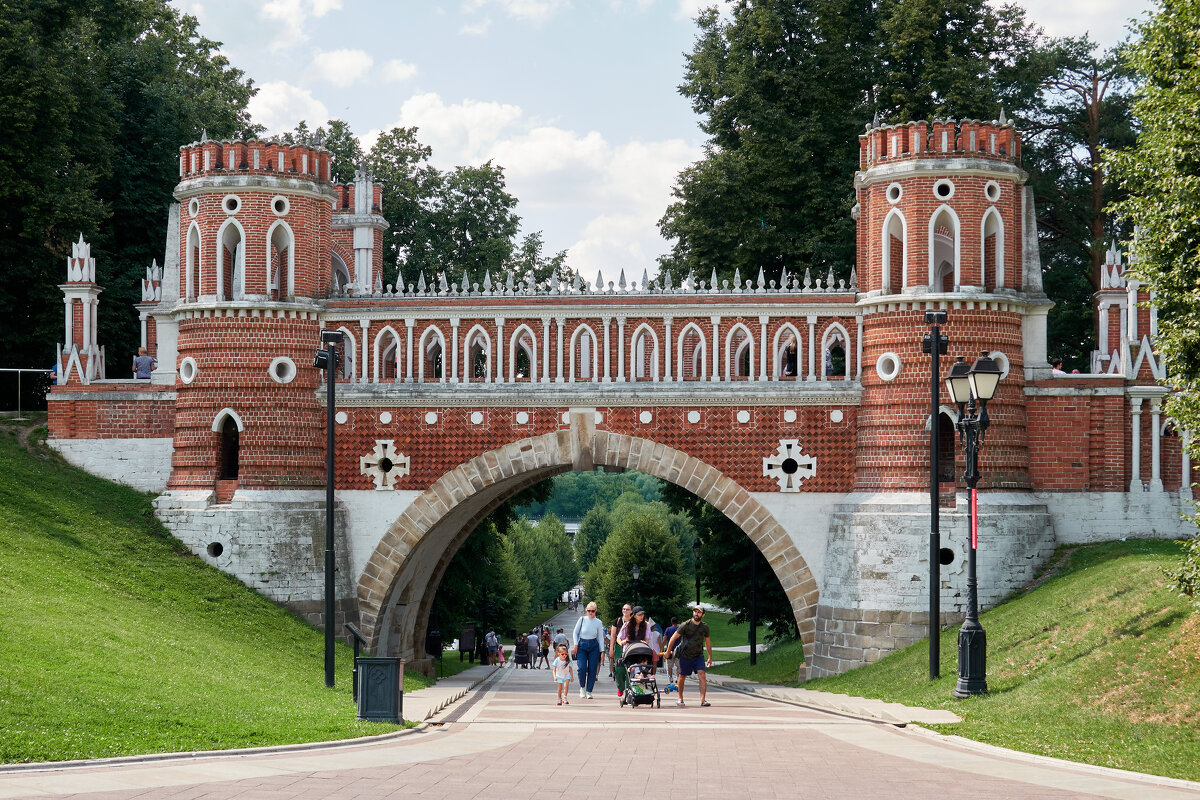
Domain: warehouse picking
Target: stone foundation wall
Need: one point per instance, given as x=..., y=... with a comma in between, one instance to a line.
x=848, y=638
x=273, y=543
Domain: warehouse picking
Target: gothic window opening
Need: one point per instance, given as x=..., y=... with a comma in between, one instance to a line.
x=742, y=355
x=478, y=359
x=523, y=357
x=584, y=350
x=943, y=250
x=341, y=276
x=227, y=467
x=993, y=251
x=691, y=361
x=893, y=253
x=389, y=367
x=946, y=448
x=279, y=286
x=789, y=358
x=644, y=355
x=192, y=281
x=231, y=260
x=431, y=369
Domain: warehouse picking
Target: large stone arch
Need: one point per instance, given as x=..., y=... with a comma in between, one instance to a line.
x=397, y=585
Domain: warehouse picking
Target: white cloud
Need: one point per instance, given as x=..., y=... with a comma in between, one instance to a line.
x=279, y=106
x=290, y=18
x=688, y=9
x=525, y=10
x=342, y=67
x=561, y=176
x=459, y=133
x=397, y=70
x=478, y=28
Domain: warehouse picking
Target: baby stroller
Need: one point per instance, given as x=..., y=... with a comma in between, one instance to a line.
x=643, y=688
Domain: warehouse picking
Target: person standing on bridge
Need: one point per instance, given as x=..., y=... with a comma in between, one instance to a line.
x=589, y=649
x=693, y=637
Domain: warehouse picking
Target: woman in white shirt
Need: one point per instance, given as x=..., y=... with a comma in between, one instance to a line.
x=588, y=638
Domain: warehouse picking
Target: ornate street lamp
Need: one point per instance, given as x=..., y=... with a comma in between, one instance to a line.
x=971, y=387
x=636, y=573
x=327, y=360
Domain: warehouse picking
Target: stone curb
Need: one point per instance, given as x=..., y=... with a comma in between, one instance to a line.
x=301, y=747
x=1050, y=761
x=856, y=707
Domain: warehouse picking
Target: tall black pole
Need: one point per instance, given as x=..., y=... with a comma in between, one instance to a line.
x=330, y=411
x=972, y=640
x=934, y=344
x=753, y=609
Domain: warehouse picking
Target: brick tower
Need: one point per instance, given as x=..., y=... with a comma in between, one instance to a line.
x=255, y=220
x=942, y=226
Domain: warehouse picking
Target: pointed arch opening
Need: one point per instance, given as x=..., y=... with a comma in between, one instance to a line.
x=228, y=425
x=691, y=355
x=347, y=351
x=386, y=355
x=786, y=347
x=585, y=357
x=835, y=349
x=895, y=251
x=522, y=356
x=478, y=346
x=340, y=277
x=739, y=353
x=432, y=348
x=643, y=354
x=281, y=261
x=945, y=272
x=992, y=261
x=231, y=261
x=192, y=269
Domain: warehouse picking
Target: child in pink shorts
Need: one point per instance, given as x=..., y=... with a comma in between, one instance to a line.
x=563, y=673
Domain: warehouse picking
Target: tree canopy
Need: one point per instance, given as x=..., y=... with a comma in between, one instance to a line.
x=95, y=101
x=641, y=536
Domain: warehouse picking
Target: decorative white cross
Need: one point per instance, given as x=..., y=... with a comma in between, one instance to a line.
x=383, y=464
x=789, y=466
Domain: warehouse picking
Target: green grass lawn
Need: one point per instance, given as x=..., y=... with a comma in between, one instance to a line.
x=119, y=641
x=1100, y=664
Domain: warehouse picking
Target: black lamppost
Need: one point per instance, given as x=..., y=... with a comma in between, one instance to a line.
x=934, y=343
x=971, y=387
x=636, y=573
x=696, y=565
x=327, y=360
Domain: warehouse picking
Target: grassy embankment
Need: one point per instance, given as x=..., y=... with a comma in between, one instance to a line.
x=1099, y=664
x=117, y=640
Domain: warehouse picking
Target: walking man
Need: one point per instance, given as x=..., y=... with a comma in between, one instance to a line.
x=693, y=638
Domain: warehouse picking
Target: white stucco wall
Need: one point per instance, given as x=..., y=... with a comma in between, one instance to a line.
x=144, y=464
x=805, y=516
x=1086, y=517
x=369, y=514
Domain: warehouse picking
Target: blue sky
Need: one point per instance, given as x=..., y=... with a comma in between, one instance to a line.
x=577, y=100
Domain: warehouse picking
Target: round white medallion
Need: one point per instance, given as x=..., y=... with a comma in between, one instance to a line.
x=693, y=417
x=430, y=417
x=836, y=415
x=282, y=370
x=386, y=418
x=887, y=366
x=477, y=417
x=341, y=417
x=188, y=369
x=789, y=415
x=646, y=417
x=743, y=416
x=522, y=418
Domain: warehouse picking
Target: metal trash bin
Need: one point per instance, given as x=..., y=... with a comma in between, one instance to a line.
x=380, y=688
x=433, y=643
x=466, y=642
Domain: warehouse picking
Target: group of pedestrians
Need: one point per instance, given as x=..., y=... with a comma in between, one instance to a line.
x=681, y=646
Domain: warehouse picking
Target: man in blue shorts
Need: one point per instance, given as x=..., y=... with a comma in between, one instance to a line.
x=693, y=638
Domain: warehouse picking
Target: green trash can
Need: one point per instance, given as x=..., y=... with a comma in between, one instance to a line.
x=380, y=688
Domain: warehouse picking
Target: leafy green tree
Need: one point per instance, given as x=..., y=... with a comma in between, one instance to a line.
x=401, y=163
x=484, y=584
x=1084, y=112
x=643, y=537
x=335, y=136
x=593, y=533
x=562, y=556
x=1161, y=175
x=95, y=99
x=725, y=557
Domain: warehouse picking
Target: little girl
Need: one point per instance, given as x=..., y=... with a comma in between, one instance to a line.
x=563, y=673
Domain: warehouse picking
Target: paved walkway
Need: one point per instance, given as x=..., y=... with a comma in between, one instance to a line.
x=508, y=739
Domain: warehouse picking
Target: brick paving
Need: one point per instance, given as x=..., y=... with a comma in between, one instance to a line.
x=514, y=742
